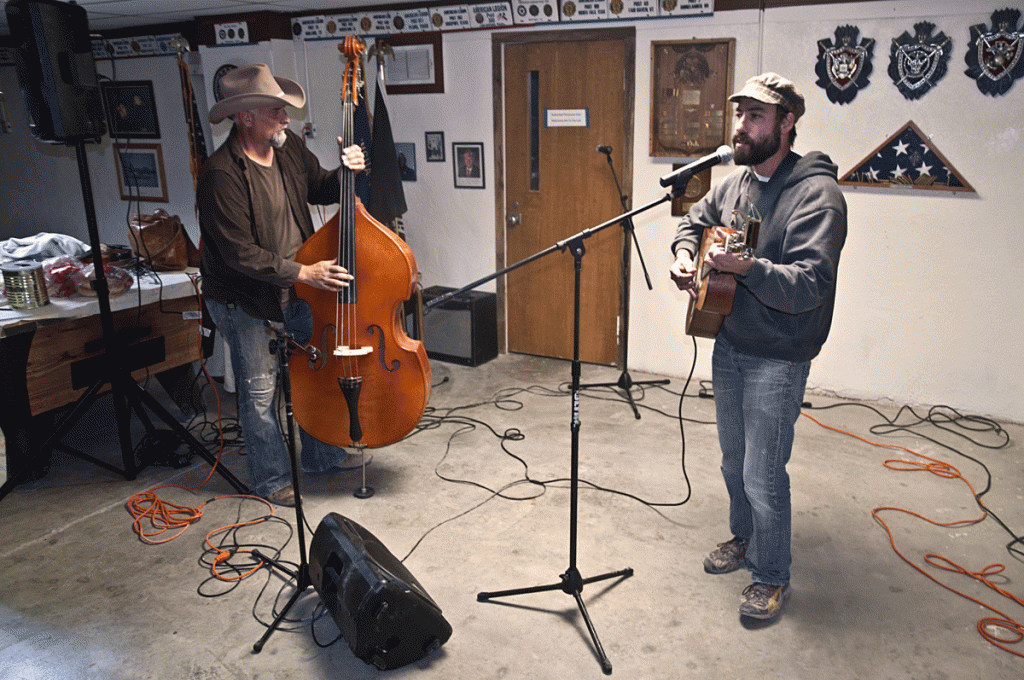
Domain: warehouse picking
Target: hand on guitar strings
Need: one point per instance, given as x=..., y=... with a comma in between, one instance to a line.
x=723, y=260
x=683, y=272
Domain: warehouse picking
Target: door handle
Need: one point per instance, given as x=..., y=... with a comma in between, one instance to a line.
x=514, y=219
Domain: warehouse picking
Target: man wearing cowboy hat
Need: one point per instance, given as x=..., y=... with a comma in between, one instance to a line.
x=781, y=315
x=253, y=197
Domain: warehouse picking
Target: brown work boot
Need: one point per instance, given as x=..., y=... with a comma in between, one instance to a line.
x=284, y=496
x=762, y=601
x=728, y=556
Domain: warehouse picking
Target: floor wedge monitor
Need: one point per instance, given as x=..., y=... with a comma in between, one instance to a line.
x=382, y=611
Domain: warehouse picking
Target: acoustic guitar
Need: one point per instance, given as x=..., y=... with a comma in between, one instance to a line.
x=715, y=289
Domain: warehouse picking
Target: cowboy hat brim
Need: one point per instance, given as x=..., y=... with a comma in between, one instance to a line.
x=291, y=94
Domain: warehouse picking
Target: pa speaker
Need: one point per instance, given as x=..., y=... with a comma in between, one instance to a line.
x=382, y=611
x=56, y=70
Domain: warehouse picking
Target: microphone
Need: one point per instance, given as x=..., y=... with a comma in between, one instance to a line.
x=606, y=150
x=722, y=155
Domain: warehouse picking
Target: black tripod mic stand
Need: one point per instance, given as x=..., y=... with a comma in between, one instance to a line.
x=625, y=382
x=281, y=346
x=571, y=582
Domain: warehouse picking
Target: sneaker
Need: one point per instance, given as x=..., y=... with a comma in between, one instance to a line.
x=727, y=557
x=284, y=496
x=762, y=601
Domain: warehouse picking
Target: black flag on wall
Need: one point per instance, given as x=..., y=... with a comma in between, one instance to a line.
x=361, y=136
x=387, y=199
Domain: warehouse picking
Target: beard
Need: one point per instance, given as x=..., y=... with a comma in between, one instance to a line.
x=277, y=141
x=755, y=153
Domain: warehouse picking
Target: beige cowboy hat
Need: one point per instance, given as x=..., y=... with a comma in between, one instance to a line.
x=255, y=87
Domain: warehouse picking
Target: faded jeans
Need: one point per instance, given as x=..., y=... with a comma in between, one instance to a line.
x=757, y=403
x=256, y=372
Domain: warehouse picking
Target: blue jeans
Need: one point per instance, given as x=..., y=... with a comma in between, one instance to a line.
x=757, y=403
x=256, y=373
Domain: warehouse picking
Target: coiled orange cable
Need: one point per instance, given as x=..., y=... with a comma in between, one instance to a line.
x=986, y=625
x=164, y=516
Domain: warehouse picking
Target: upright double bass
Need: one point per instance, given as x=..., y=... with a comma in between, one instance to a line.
x=370, y=384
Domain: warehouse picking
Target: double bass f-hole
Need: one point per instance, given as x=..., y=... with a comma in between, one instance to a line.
x=381, y=344
x=326, y=340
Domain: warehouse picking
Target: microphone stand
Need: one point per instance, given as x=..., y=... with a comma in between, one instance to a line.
x=625, y=382
x=281, y=347
x=571, y=581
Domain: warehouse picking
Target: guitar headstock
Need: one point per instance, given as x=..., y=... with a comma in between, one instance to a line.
x=744, y=238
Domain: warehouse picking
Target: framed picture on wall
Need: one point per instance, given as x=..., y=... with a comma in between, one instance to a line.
x=131, y=109
x=691, y=81
x=468, y=164
x=140, y=172
x=406, y=154
x=416, y=65
x=435, y=147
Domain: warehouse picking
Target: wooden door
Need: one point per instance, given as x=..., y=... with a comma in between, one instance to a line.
x=561, y=100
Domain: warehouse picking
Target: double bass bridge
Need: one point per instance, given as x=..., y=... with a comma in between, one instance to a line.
x=346, y=351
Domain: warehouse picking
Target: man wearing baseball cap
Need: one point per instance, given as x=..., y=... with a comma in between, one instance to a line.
x=253, y=197
x=781, y=315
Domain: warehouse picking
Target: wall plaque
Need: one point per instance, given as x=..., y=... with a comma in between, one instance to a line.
x=691, y=81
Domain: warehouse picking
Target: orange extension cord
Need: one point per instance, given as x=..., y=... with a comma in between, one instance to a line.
x=987, y=625
x=164, y=516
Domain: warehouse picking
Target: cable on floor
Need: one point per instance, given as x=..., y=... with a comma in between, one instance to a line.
x=167, y=521
x=987, y=626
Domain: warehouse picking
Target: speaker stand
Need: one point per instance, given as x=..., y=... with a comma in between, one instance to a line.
x=303, y=581
x=128, y=395
x=625, y=382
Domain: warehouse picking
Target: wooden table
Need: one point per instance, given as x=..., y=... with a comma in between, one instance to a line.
x=50, y=356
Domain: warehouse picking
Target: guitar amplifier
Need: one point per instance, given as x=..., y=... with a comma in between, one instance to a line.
x=463, y=329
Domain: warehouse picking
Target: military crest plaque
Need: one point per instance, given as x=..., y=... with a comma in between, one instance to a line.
x=844, y=65
x=994, y=57
x=918, y=61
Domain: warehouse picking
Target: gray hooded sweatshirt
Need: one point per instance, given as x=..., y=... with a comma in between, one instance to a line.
x=783, y=307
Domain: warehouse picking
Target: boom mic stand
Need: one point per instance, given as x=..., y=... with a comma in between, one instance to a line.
x=128, y=395
x=625, y=382
x=571, y=582
x=303, y=580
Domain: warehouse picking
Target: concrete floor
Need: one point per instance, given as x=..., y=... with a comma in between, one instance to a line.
x=82, y=597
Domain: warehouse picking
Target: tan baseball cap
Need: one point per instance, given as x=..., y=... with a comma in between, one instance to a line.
x=771, y=88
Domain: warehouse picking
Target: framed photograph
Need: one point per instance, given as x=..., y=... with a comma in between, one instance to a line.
x=691, y=81
x=131, y=109
x=406, y=152
x=435, y=147
x=468, y=164
x=417, y=66
x=140, y=172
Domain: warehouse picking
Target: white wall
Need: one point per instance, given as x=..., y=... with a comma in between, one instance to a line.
x=926, y=277
x=41, y=187
x=929, y=281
